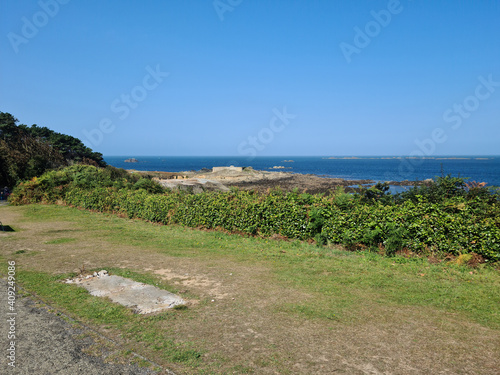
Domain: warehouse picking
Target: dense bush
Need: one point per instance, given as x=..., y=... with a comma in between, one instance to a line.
x=441, y=219
x=53, y=185
x=448, y=187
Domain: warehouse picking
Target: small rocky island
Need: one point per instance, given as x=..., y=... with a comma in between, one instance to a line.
x=131, y=160
x=246, y=178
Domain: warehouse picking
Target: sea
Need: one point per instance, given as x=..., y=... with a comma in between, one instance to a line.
x=377, y=168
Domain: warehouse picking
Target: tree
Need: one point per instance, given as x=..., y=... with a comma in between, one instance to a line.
x=8, y=128
x=71, y=148
x=28, y=151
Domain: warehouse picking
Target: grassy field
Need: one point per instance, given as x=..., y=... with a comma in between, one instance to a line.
x=262, y=305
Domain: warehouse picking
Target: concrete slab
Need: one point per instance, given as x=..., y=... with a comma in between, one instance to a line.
x=142, y=298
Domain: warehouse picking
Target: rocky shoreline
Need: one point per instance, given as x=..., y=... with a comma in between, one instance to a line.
x=261, y=181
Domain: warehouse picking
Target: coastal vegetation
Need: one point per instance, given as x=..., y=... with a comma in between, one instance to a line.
x=29, y=151
x=450, y=217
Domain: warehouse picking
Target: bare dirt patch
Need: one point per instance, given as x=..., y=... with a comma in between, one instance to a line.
x=213, y=288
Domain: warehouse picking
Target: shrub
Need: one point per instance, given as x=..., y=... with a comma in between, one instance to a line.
x=442, y=220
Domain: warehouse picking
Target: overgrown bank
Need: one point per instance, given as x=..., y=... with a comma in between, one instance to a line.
x=448, y=217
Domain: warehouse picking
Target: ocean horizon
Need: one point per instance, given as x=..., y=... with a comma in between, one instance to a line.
x=480, y=168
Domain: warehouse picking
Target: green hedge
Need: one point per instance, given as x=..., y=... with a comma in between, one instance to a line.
x=423, y=228
x=456, y=225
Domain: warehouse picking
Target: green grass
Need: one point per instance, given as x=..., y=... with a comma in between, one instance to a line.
x=342, y=282
x=345, y=285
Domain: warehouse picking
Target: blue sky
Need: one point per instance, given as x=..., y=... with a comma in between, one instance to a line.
x=231, y=77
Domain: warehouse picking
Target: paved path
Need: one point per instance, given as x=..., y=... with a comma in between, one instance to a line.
x=47, y=344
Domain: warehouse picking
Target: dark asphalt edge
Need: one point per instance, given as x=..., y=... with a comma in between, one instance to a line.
x=56, y=313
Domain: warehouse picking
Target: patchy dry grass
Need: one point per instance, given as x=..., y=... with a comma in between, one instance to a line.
x=263, y=306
